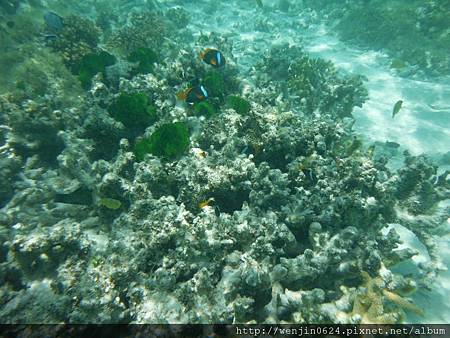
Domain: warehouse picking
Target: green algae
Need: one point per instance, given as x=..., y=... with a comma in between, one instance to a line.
x=91, y=64
x=134, y=110
x=240, y=105
x=205, y=109
x=145, y=58
x=214, y=83
x=170, y=141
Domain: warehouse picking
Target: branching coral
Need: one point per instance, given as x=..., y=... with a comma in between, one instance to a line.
x=78, y=38
x=144, y=30
x=315, y=83
x=374, y=304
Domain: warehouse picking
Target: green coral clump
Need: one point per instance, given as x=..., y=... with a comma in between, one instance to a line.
x=134, y=110
x=205, y=109
x=214, y=84
x=240, y=105
x=170, y=141
x=91, y=64
x=145, y=59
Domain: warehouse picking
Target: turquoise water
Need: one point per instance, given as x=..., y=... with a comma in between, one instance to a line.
x=224, y=162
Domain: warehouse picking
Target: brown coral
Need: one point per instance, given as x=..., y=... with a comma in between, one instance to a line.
x=372, y=303
x=78, y=38
x=145, y=30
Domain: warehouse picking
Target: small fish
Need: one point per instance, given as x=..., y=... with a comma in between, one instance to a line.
x=259, y=3
x=81, y=196
x=310, y=175
x=49, y=37
x=206, y=203
x=110, y=203
x=397, y=107
x=436, y=107
x=213, y=57
x=199, y=153
x=10, y=24
x=54, y=22
x=193, y=94
x=391, y=144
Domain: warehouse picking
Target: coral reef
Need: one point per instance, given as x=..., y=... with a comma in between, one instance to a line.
x=204, y=109
x=178, y=16
x=144, y=30
x=240, y=105
x=258, y=205
x=78, y=38
x=169, y=140
x=91, y=64
x=145, y=58
x=315, y=84
x=133, y=110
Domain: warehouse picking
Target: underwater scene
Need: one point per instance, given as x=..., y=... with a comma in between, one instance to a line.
x=238, y=161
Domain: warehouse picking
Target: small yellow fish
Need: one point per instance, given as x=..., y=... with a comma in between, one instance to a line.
x=110, y=203
x=205, y=203
x=199, y=153
x=397, y=107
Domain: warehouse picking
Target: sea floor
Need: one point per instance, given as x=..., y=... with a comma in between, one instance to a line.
x=422, y=126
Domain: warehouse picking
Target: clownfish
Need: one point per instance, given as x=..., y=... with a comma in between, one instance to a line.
x=193, y=94
x=213, y=57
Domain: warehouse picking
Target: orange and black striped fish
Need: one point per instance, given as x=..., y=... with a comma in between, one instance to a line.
x=193, y=94
x=213, y=57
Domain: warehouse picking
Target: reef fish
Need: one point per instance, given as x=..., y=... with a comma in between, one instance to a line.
x=213, y=57
x=193, y=94
x=206, y=203
x=391, y=144
x=110, y=203
x=397, y=107
x=53, y=21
